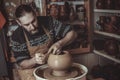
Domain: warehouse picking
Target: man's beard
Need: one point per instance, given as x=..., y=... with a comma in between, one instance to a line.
x=34, y=31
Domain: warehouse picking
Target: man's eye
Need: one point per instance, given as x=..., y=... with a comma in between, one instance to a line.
x=30, y=23
x=33, y=21
x=26, y=24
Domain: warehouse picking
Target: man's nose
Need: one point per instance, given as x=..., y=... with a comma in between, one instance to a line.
x=32, y=26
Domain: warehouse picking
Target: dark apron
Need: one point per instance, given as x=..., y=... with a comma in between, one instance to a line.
x=27, y=74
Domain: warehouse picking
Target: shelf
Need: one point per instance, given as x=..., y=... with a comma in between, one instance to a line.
x=106, y=11
x=80, y=50
x=76, y=22
x=107, y=34
x=73, y=2
x=103, y=54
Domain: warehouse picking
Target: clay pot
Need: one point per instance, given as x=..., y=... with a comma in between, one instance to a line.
x=109, y=4
x=117, y=5
x=81, y=13
x=100, y=4
x=59, y=0
x=53, y=0
x=108, y=25
x=113, y=19
x=54, y=10
x=73, y=14
x=101, y=22
x=63, y=15
x=60, y=63
x=111, y=47
x=109, y=28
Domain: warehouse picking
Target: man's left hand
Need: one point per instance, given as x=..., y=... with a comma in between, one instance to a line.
x=55, y=48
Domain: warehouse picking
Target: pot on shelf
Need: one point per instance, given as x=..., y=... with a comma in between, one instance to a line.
x=111, y=47
x=100, y=4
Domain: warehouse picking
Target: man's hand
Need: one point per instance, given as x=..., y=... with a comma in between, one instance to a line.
x=55, y=48
x=39, y=58
x=69, y=38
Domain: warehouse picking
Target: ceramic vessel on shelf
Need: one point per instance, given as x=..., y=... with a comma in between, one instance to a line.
x=54, y=11
x=100, y=4
x=111, y=47
x=63, y=16
x=109, y=4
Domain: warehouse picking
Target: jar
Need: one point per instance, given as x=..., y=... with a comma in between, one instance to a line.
x=100, y=4
x=111, y=47
x=81, y=13
x=109, y=4
x=73, y=14
x=54, y=10
x=53, y=0
x=63, y=16
x=109, y=26
x=101, y=22
x=113, y=19
x=117, y=4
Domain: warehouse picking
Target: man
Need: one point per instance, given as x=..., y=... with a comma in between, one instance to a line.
x=36, y=36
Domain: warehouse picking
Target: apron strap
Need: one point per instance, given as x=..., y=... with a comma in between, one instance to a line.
x=26, y=38
x=46, y=32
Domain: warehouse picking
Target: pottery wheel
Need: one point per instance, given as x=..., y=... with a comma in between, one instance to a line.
x=71, y=74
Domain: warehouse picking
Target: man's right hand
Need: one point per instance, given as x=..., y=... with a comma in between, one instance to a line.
x=39, y=58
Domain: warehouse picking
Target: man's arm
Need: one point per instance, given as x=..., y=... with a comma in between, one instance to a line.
x=27, y=63
x=69, y=37
x=21, y=53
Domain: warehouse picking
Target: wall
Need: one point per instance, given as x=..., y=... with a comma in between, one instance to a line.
x=3, y=67
x=90, y=59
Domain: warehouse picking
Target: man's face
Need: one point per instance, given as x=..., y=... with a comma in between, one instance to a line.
x=29, y=22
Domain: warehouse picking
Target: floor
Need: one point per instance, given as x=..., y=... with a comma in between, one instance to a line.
x=4, y=78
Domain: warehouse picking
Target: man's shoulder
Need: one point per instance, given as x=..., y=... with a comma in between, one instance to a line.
x=16, y=32
x=18, y=29
x=44, y=18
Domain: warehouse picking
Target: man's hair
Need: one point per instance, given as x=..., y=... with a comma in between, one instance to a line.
x=22, y=9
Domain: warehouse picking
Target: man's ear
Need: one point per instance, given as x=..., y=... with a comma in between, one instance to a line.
x=18, y=22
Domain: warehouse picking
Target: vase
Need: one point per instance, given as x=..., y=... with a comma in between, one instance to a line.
x=111, y=47
x=60, y=63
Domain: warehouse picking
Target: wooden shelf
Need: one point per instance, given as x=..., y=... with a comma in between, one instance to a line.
x=107, y=34
x=103, y=54
x=106, y=11
x=80, y=50
x=75, y=22
x=73, y=2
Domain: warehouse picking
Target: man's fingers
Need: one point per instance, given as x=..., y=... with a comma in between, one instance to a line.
x=39, y=58
x=50, y=50
x=58, y=51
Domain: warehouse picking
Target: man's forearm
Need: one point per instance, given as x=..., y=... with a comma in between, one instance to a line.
x=29, y=63
x=70, y=37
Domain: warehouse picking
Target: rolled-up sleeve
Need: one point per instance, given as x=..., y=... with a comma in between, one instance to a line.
x=19, y=50
x=61, y=29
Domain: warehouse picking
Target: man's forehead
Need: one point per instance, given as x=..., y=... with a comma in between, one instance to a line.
x=27, y=18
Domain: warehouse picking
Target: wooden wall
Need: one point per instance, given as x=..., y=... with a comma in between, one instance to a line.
x=90, y=59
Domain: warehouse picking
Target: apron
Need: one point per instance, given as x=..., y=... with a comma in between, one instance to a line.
x=27, y=74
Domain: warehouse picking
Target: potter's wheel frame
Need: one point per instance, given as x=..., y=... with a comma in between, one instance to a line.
x=43, y=67
x=70, y=74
